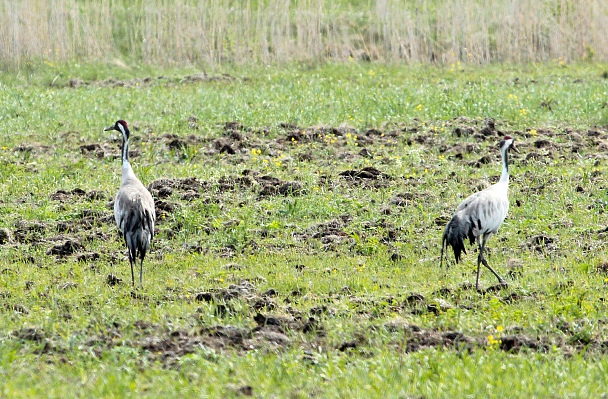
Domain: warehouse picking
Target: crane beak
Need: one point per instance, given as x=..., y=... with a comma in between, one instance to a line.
x=514, y=148
x=109, y=128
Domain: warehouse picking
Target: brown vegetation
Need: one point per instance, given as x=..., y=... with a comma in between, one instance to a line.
x=209, y=33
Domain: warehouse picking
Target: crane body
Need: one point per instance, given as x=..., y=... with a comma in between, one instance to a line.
x=133, y=208
x=480, y=215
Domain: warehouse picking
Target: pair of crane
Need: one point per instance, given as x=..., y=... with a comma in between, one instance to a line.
x=476, y=218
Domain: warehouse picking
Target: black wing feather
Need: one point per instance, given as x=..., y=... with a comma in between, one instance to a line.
x=456, y=231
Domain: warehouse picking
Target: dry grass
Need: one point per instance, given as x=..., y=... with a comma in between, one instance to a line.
x=215, y=32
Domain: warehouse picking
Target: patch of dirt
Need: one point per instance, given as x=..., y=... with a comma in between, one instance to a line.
x=413, y=299
x=366, y=177
x=402, y=199
x=541, y=243
x=495, y=288
x=205, y=77
x=458, y=150
x=29, y=334
x=365, y=173
x=271, y=186
x=87, y=220
x=164, y=208
x=602, y=267
x=386, y=231
x=516, y=343
x=543, y=143
x=103, y=150
x=177, y=143
x=244, y=290
x=515, y=268
x=236, y=139
x=30, y=231
x=265, y=186
x=283, y=331
x=244, y=390
x=65, y=196
x=113, y=280
x=227, y=183
x=418, y=338
x=33, y=148
x=88, y=257
x=187, y=189
x=169, y=346
x=6, y=236
x=331, y=232
x=315, y=133
x=148, y=81
x=94, y=149
x=68, y=248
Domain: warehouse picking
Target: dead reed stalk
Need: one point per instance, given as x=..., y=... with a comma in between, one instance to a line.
x=215, y=32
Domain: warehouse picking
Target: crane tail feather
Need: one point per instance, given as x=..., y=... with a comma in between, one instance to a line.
x=454, y=235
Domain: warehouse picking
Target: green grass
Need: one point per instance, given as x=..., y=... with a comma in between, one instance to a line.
x=337, y=263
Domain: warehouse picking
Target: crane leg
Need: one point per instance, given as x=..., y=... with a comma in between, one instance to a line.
x=500, y=279
x=130, y=260
x=478, y=266
x=141, y=270
x=132, y=274
x=482, y=260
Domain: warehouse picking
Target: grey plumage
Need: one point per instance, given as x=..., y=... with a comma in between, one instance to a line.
x=133, y=207
x=480, y=215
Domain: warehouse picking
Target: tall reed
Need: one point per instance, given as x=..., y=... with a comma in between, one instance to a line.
x=213, y=32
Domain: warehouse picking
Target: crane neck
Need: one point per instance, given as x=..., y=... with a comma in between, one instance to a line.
x=504, y=177
x=126, y=169
x=125, y=149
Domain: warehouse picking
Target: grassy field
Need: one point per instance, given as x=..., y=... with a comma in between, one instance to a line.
x=280, y=271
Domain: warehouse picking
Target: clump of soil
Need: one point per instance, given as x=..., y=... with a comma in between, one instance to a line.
x=87, y=219
x=602, y=267
x=148, y=81
x=315, y=133
x=6, y=237
x=366, y=173
x=541, y=243
x=32, y=148
x=29, y=334
x=66, y=249
x=516, y=343
x=65, y=196
x=187, y=188
x=402, y=199
x=265, y=186
x=331, y=232
x=177, y=143
x=30, y=231
x=93, y=149
x=368, y=177
x=227, y=183
x=271, y=186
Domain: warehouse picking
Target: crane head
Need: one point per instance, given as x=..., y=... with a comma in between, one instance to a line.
x=119, y=126
x=508, y=143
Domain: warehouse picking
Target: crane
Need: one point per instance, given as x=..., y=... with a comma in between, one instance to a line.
x=133, y=207
x=480, y=215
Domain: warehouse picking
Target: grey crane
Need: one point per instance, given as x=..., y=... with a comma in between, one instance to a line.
x=480, y=215
x=133, y=207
